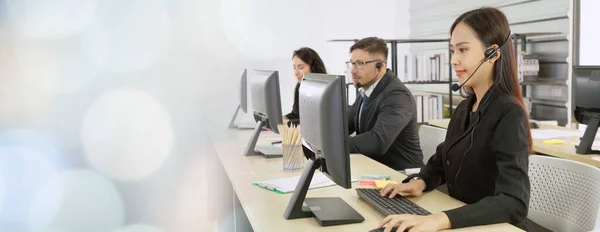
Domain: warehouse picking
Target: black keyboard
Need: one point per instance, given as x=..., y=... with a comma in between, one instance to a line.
x=387, y=206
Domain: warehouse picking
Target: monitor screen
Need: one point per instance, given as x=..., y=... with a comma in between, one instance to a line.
x=244, y=92
x=323, y=109
x=266, y=100
x=587, y=33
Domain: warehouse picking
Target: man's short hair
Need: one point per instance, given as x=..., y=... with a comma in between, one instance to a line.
x=372, y=45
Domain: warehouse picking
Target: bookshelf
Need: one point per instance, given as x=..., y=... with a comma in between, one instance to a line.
x=394, y=64
x=521, y=39
x=548, y=92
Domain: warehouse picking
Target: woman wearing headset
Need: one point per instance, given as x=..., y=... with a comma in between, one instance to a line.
x=484, y=159
x=305, y=60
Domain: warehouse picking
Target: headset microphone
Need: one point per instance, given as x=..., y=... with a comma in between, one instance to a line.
x=456, y=87
x=489, y=53
x=361, y=85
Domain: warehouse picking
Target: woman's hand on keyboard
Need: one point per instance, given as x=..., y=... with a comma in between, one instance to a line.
x=407, y=222
x=413, y=188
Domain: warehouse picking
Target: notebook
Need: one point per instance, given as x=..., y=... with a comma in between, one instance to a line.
x=288, y=184
x=554, y=141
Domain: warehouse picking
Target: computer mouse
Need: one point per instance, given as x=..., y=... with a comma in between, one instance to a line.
x=381, y=229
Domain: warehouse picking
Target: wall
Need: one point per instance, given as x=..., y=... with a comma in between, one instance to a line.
x=433, y=18
x=270, y=34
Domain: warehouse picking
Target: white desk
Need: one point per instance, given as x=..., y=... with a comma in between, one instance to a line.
x=565, y=151
x=264, y=209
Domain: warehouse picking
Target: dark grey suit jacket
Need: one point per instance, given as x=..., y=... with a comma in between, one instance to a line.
x=388, y=131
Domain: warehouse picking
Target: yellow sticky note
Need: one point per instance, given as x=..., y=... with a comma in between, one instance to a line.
x=553, y=141
x=383, y=183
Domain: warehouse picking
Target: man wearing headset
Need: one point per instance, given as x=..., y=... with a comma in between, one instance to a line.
x=384, y=115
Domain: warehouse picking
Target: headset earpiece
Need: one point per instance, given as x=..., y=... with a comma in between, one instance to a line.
x=490, y=53
x=378, y=65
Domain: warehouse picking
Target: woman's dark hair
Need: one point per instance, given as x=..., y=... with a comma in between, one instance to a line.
x=491, y=27
x=312, y=58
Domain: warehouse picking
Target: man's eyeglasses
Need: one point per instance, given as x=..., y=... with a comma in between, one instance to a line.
x=359, y=64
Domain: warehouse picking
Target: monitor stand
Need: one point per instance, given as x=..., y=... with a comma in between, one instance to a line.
x=240, y=125
x=253, y=139
x=585, y=145
x=327, y=211
x=232, y=122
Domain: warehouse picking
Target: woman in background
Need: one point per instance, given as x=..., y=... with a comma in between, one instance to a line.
x=305, y=60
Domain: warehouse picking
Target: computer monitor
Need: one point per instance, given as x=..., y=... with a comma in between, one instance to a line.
x=587, y=106
x=585, y=34
x=243, y=99
x=323, y=109
x=266, y=103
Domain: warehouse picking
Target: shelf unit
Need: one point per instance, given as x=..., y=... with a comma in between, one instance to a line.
x=394, y=62
x=521, y=39
x=551, y=84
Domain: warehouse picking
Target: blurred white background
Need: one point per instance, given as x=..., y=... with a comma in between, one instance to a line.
x=106, y=107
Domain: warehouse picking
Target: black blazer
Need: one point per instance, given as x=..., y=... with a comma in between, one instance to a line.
x=484, y=161
x=388, y=132
x=294, y=116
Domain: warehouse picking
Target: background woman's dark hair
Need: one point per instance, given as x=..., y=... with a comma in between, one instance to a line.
x=491, y=26
x=311, y=58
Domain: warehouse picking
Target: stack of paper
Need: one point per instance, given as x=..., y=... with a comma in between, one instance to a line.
x=287, y=185
x=382, y=183
x=550, y=134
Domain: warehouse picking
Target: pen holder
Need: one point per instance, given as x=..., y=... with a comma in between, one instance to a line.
x=293, y=157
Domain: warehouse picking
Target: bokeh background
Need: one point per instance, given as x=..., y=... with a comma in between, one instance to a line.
x=108, y=107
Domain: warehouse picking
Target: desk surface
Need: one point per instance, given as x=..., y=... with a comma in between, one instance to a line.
x=442, y=123
x=265, y=209
x=566, y=150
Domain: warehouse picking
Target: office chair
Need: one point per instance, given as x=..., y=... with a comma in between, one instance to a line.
x=565, y=194
x=430, y=138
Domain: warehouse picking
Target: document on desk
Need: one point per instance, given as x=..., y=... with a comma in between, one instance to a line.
x=287, y=185
x=551, y=134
